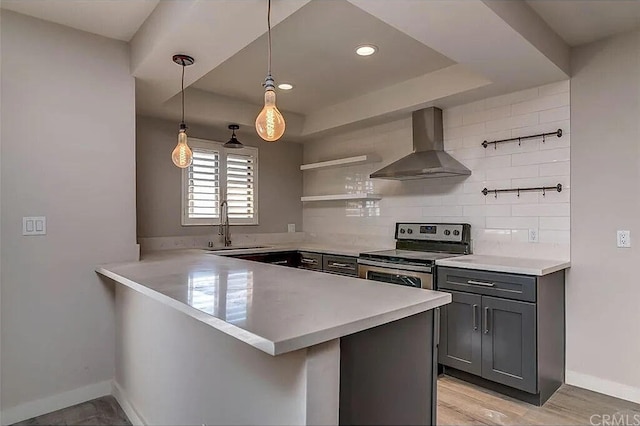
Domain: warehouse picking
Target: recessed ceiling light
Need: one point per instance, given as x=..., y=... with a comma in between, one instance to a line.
x=285, y=86
x=366, y=50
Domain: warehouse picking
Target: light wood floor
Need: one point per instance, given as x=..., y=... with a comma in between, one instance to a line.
x=461, y=403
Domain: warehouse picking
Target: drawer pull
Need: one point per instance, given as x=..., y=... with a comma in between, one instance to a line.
x=341, y=265
x=486, y=320
x=475, y=317
x=280, y=262
x=482, y=283
x=309, y=261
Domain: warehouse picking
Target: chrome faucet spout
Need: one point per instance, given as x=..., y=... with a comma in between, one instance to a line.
x=225, y=230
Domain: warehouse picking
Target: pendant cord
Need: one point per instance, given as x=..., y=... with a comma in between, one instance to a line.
x=269, y=35
x=182, y=90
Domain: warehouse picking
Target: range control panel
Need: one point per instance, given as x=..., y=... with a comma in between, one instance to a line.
x=447, y=232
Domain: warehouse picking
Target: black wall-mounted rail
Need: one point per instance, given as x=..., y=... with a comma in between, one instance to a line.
x=557, y=133
x=544, y=189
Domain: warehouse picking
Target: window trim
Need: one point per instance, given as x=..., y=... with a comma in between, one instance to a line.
x=222, y=151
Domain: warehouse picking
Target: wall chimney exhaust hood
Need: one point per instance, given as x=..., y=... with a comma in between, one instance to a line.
x=428, y=160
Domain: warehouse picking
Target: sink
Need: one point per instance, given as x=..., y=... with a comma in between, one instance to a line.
x=235, y=248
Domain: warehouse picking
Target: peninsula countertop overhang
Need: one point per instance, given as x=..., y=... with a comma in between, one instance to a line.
x=273, y=308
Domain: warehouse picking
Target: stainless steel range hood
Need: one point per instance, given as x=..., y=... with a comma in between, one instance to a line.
x=428, y=160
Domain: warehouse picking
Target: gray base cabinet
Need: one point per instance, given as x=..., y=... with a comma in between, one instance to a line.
x=461, y=344
x=506, y=329
x=509, y=343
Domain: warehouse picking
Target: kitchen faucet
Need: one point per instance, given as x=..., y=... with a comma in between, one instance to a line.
x=225, y=230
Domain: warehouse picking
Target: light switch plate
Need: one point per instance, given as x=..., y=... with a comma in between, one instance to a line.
x=624, y=239
x=291, y=227
x=34, y=225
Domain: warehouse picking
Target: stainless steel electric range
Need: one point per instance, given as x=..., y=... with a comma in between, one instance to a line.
x=418, y=246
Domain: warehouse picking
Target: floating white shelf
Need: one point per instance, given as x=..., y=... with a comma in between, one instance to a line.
x=341, y=197
x=349, y=161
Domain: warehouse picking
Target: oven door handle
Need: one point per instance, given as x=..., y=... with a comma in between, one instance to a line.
x=400, y=267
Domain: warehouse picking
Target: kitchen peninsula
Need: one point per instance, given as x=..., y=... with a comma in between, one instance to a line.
x=206, y=339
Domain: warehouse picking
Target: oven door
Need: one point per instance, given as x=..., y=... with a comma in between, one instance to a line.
x=421, y=277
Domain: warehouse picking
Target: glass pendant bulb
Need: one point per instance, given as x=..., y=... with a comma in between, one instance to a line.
x=182, y=155
x=270, y=123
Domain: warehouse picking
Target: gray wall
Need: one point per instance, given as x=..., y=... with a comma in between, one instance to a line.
x=602, y=290
x=68, y=144
x=159, y=181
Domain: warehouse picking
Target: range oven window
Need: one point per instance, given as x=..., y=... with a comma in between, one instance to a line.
x=394, y=279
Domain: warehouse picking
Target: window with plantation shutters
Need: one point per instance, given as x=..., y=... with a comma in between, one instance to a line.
x=240, y=186
x=218, y=174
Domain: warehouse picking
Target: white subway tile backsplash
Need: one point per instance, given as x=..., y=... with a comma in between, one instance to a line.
x=555, y=223
x=553, y=88
x=499, y=222
x=541, y=103
x=520, y=235
x=442, y=211
x=539, y=157
x=513, y=122
x=560, y=209
x=555, y=114
x=487, y=210
x=513, y=172
x=512, y=98
x=499, y=225
x=560, y=168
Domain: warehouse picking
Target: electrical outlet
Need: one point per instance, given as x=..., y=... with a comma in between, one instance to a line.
x=34, y=225
x=533, y=236
x=624, y=239
x=291, y=227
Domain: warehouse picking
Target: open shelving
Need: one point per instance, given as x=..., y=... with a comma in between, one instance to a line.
x=341, y=197
x=340, y=162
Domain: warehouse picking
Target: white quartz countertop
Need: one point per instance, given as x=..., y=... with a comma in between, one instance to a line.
x=273, y=308
x=514, y=265
x=310, y=247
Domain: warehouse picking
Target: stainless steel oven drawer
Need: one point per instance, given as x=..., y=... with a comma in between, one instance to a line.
x=343, y=265
x=498, y=284
x=311, y=260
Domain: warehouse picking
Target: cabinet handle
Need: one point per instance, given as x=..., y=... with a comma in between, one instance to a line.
x=280, y=262
x=309, y=261
x=481, y=283
x=486, y=320
x=475, y=317
x=340, y=265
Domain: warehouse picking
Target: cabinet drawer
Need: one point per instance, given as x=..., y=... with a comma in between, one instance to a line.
x=343, y=265
x=311, y=260
x=498, y=284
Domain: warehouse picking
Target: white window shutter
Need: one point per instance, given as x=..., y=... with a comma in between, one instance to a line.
x=203, y=185
x=241, y=185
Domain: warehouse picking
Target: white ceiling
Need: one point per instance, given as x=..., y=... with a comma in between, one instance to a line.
x=314, y=50
x=431, y=53
x=583, y=21
x=114, y=19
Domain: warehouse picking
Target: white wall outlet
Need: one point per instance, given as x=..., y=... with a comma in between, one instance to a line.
x=34, y=225
x=534, y=237
x=624, y=239
x=291, y=227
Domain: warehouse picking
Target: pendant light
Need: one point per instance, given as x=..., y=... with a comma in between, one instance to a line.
x=270, y=123
x=182, y=155
x=233, y=143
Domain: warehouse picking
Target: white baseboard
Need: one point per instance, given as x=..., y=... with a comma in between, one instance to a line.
x=55, y=402
x=604, y=386
x=134, y=417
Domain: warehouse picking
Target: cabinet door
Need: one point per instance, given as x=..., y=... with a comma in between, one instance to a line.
x=460, y=334
x=509, y=343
